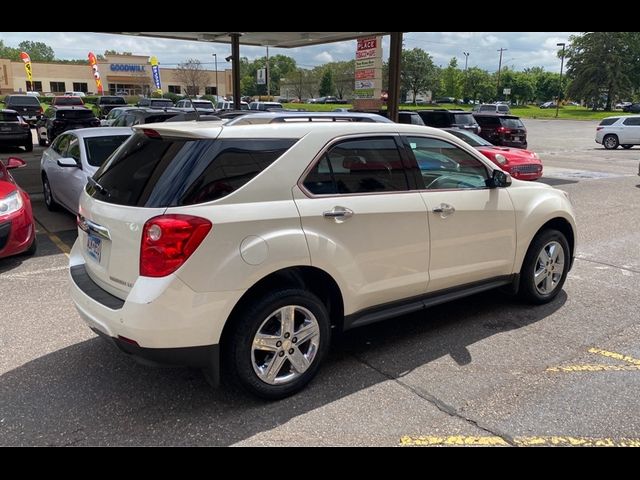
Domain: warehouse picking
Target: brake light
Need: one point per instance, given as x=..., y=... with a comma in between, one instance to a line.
x=168, y=241
x=599, y=128
x=40, y=110
x=151, y=133
x=504, y=130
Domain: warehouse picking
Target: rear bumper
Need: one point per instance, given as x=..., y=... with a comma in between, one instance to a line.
x=162, y=319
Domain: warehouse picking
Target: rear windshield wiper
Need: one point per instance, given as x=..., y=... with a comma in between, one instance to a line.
x=100, y=188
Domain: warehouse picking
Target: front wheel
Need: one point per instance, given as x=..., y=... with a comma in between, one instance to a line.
x=277, y=344
x=545, y=267
x=610, y=142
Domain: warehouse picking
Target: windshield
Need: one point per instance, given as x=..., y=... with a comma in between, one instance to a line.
x=112, y=101
x=26, y=100
x=470, y=138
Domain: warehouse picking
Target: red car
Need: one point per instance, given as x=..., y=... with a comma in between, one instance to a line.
x=17, y=227
x=521, y=164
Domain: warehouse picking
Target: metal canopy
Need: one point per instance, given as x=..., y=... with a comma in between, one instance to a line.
x=262, y=39
x=289, y=40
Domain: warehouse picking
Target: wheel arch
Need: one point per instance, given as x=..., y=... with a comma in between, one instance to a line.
x=563, y=226
x=312, y=279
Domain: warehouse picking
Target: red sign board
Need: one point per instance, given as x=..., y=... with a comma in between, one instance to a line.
x=366, y=73
x=367, y=43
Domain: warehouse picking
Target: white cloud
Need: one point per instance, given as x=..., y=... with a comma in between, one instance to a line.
x=323, y=57
x=489, y=40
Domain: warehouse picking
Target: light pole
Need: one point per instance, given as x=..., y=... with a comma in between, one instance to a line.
x=464, y=90
x=500, y=68
x=215, y=57
x=466, y=58
x=561, y=65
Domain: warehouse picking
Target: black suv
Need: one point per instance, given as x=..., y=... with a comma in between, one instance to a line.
x=454, y=118
x=14, y=130
x=155, y=102
x=144, y=115
x=505, y=130
x=28, y=107
x=107, y=103
x=60, y=119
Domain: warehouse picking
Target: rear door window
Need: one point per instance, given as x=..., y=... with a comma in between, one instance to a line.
x=632, y=121
x=154, y=172
x=364, y=165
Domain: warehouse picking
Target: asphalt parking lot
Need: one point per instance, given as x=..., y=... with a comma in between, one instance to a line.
x=486, y=370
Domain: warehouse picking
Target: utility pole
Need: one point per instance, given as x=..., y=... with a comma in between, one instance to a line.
x=500, y=68
x=466, y=57
x=561, y=65
x=268, y=76
x=215, y=56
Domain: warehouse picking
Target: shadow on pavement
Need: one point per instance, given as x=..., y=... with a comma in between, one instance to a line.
x=91, y=394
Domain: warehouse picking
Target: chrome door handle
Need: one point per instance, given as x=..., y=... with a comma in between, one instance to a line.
x=339, y=214
x=444, y=209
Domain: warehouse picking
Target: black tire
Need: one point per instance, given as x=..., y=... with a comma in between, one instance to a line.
x=49, y=201
x=529, y=291
x=626, y=147
x=42, y=143
x=610, y=142
x=237, y=352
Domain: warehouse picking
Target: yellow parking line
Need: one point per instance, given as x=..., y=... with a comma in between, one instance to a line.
x=520, y=441
x=64, y=248
x=617, y=356
x=593, y=368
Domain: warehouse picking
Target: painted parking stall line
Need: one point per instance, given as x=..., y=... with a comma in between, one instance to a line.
x=632, y=364
x=462, y=440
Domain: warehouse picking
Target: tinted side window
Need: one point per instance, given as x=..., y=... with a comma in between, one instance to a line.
x=153, y=172
x=359, y=166
x=633, y=121
x=434, y=119
x=446, y=166
x=61, y=144
x=74, y=150
x=488, y=121
x=609, y=121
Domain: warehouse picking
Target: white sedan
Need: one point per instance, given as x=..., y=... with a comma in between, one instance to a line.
x=72, y=158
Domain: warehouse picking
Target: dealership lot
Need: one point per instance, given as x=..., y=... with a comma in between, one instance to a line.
x=484, y=370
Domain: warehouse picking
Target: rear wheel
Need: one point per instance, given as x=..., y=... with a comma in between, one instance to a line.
x=545, y=267
x=51, y=204
x=610, y=142
x=277, y=344
x=627, y=147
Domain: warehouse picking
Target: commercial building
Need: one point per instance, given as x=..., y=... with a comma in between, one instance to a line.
x=120, y=74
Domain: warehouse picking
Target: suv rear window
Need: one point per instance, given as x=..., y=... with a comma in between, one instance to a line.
x=152, y=172
x=161, y=103
x=99, y=148
x=463, y=119
x=67, y=101
x=512, y=122
x=609, y=121
x=8, y=117
x=111, y=101
x=22, y=100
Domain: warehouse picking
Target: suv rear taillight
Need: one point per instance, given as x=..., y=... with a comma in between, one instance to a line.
x=503, y=130
x=168, y=241
x=599, y=128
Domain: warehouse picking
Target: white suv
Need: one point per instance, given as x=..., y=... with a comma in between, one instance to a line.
x=619, y=131
x=243, y=246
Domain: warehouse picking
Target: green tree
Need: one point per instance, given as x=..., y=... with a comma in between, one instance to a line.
x=38, y=51
x=478, y=84
x=418, y=74
x=451, y=79
x=602, y=66
x=9, y=53
x=326, y=84
x=343, y=77
x=193, y=74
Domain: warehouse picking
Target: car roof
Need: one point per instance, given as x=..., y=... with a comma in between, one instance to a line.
x=101, y=132
x=70, y=107
x=255, y=118
x=497, y=115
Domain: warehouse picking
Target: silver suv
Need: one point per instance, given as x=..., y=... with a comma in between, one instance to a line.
x=244, y=247
x=492, y=108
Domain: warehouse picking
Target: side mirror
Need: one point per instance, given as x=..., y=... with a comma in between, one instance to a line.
x=67, y=162
x=15, y=162
x=500, y=179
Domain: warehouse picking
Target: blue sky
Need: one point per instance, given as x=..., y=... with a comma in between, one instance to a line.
x=524, y=49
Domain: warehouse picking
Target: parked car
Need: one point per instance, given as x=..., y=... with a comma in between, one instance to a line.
x=264, y=105
x=506, y=130
x=140, y=116
x=408, y=117
x=491, y=108
x=74, y=157
x=623, y=105
x=155, y=102
x=203, y=106
x=27, y=106
x=632, y=108
x=75, y=94
x=520, y=163
x=113, y=115
x=107, y=103
x=548, y=105
x=442, y=118
x=57, y=120
x=17, y=227
x=292, y=117
x=253, y=243
x=14, y=131
x=227, y=105
x=619, y=131
x=67, y=101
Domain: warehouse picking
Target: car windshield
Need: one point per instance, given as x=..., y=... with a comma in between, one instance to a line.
x=470, y=138
x=99, y=148
x=26, y=101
